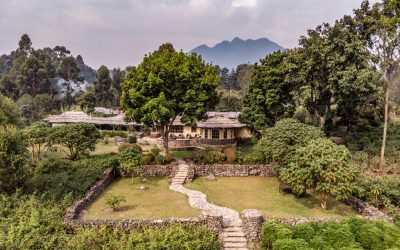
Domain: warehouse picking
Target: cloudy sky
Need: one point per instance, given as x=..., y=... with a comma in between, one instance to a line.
x=120, y=32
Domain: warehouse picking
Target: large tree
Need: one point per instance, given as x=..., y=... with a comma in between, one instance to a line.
x=380, y=25
x=70, y=72
x=324, y=167
x=270, y=96
x=168, y=84
x=102, y=87
x=331, y=67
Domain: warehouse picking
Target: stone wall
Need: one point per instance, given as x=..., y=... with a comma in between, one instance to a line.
x=154, y=170
x=75, y=209
x=213, y=223
x=367, y=210
x=233, y=170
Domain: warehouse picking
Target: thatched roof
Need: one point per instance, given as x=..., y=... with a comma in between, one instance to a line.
x=217, y=120
x=214, y=120
x=79, y=116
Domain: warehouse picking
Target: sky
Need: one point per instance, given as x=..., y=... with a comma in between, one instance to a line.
x=118, y=33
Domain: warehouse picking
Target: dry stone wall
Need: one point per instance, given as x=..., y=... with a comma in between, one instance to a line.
x=154, y=170
x=233, y=170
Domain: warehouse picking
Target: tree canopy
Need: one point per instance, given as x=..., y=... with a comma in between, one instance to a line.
x=168, y=84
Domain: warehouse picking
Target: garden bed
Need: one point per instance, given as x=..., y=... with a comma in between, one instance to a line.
x=262, y=193
x=155, y=202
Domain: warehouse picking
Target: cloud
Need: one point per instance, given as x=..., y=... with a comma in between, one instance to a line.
x=120, y=32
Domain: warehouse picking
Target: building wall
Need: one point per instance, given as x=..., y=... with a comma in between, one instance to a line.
x=243, y=132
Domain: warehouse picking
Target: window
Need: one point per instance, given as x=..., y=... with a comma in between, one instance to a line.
x=225, y=134
x=194, y=129
x=176, y=129
x=215, y=134
x=206, y=133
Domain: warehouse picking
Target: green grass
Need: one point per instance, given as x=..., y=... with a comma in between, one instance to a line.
x=182, y=154
x=156, y=202
x=102, y=148
x=262, y=193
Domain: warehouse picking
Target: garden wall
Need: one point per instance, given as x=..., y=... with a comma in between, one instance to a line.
x=72, y=216
x=154, y=170
x=233, y=170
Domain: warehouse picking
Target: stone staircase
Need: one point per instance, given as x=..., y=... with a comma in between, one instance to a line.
x=232, y=236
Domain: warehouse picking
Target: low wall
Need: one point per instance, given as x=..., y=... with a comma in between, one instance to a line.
x=154, y=170
x=233, y=170
x=213, y=223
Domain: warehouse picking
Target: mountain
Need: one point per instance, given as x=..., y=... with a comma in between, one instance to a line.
x=231, y=54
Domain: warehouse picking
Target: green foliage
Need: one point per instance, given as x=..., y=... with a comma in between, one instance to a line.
x=37, y=137
x=113, y=134
x=167, y=84
x=279, y=143
x=12, y=158
x=77, y=138
x=57, y=177
x=323, y=167
x=32, y=222
x=131, y=138
x=114, y=201
x=102, y=87
x=35, y=108
x=351, y=233
x=209, y=156
x=106, y=140
x=229, y=101
x=124, y=146
x=69, y=71
x=270, y=96
x=8, y=111
x=129, y=161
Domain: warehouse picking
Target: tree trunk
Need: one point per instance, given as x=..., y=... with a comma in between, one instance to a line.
x=385, y=121
x=165, y=139
x=323, y=197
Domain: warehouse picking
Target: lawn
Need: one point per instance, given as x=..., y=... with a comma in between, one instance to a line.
x=262, y=193
x=102, y=148
x=182, y=154
x=156, y=202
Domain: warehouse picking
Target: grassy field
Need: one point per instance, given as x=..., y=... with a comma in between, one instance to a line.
x=156, y=202
x=262, y=193
x=182, y=154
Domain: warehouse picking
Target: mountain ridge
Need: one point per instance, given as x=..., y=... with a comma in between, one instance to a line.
x=230, y=54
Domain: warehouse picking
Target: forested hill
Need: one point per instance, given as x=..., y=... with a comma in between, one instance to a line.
x=88, y=74
x=231, y=54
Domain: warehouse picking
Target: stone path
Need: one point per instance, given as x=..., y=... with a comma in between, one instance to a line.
x=233, y=236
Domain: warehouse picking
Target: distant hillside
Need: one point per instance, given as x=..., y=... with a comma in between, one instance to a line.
x=231, y=54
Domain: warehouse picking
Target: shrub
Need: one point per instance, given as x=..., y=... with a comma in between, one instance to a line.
x=279, y=143
x=209, y=156
x=130, y=161
x=272, y=231
x=290, y=244
x=146, y=160
x=106, y=140
x=169, y=158
x=159, y=159
x=154, y=152
x=230, y=153
x=113, y=134
x=124, y=146
x=114, y=201
x=131, y=138
x=254, y=156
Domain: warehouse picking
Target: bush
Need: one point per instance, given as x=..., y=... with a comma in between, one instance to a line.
x=169, y=158
x=209, y=156
x=159, y=159
x=124, y=146
x=106, y=140
x=146, y=160
x=114, y=201
x=290, y=244
x=351, y=233
x=113, y=134
x=230, y=153
x=131, y=138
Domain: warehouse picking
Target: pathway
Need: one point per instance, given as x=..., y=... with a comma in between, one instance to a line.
x=233, y=236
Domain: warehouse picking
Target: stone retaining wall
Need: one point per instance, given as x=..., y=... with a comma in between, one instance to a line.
x=154, y=170
x=213, y=223
x=233, y=170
